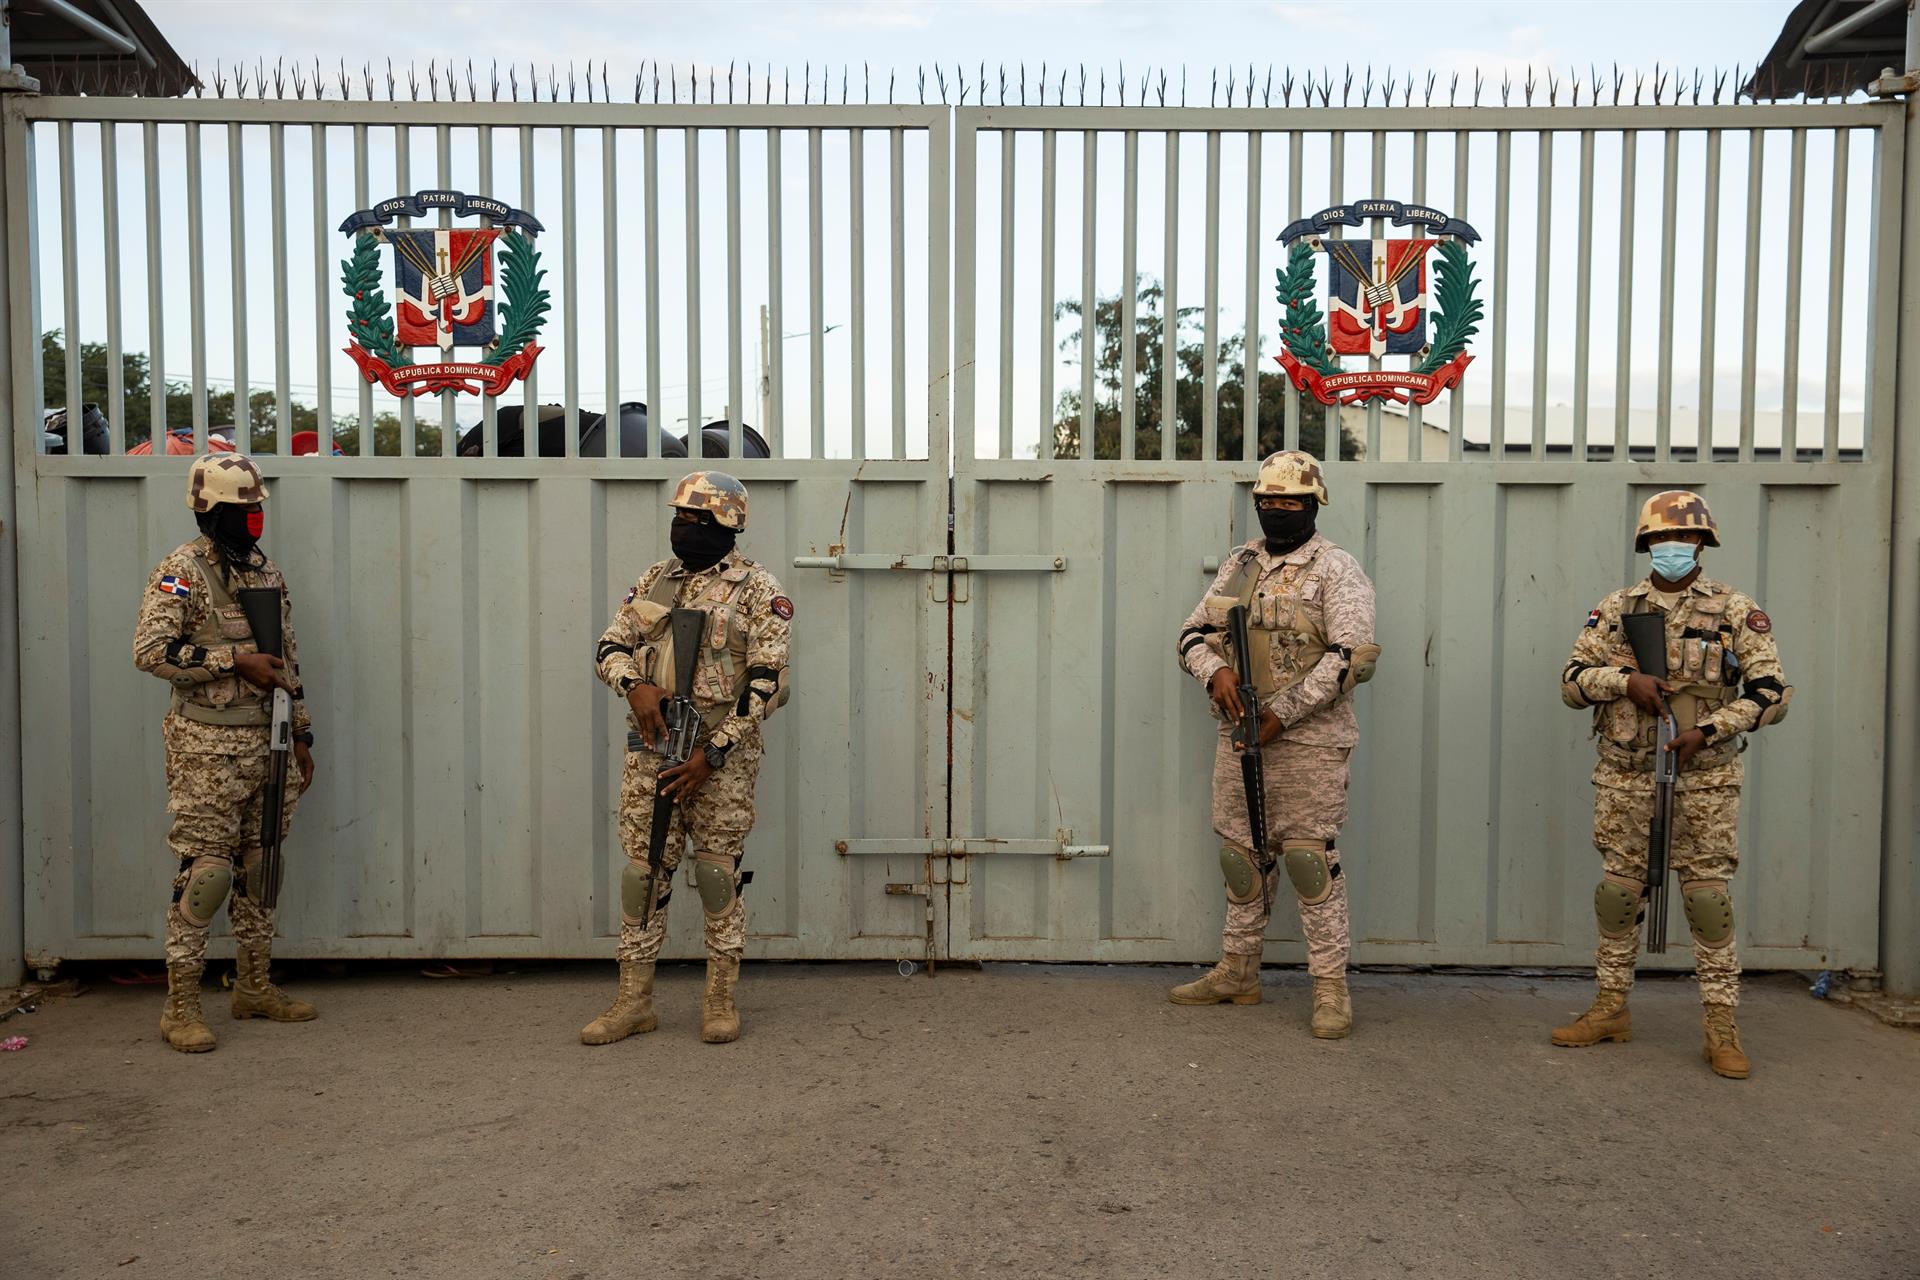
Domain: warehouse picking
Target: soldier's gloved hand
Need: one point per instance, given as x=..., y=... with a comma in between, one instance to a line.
x=1270, y=727
x=646, y=701
x=1224, y=689
x=1645, y=692
x=303, y=760
x=262, y=671
x=1684, y=746
x=680, y=782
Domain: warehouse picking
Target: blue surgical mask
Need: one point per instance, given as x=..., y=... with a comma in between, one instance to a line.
x=1673, y=560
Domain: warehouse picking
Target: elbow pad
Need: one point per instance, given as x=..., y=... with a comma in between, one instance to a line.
x=1770, y=696
x=184, y=665
x=1193, y=638
x=1358, y=665
x=766, y=692
x=1570, y=691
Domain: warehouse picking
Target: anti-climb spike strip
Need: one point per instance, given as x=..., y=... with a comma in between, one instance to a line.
x=1528, y=87
x=1478, y=83
x=1506, y=88
x=1366, y=89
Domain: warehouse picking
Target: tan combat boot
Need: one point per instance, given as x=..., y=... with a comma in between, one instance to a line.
x=256, y=997
x=1608, y=1019
x=631, y=1010
x=1332, y=1008
x=181, y=1021
x=719, y=1020
x=1722, y=1048
x=1235, y=979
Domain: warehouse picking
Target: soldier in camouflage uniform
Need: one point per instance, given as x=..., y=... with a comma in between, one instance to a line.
x=1310, y=618
x=1725, y=682
x=193, y=634
x=740, y=681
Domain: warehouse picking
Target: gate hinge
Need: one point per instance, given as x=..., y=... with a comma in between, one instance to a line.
x=1891, y=84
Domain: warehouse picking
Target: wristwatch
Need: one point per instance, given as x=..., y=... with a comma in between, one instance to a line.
x=717, y=755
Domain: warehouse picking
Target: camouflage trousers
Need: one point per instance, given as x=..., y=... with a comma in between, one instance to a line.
x=215, y=793
x=1705, y=846
x=717, y=820
x=1306, y=800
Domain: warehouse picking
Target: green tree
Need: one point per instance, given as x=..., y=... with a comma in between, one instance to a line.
x=1189, y=387
x=262, y=404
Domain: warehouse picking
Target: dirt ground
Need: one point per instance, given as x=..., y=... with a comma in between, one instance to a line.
x=1012, y=1121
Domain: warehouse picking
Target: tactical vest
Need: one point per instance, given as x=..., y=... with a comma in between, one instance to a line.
x=1284, y=640
x=227, y=700
x=720, y=678
x=1704, y=671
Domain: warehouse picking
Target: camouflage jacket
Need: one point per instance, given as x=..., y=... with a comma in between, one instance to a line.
x=1720, y=654
x=750, y=625
x=1335, y=596
x=176, y=605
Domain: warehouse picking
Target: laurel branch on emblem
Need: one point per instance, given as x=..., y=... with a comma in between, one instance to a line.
x=1456, y=317
x=523, y=309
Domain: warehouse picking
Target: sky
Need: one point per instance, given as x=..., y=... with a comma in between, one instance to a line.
x=878, y=43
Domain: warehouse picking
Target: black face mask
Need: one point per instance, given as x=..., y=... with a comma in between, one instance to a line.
x=232, y=534
x=1286, y=530
x=701, y=546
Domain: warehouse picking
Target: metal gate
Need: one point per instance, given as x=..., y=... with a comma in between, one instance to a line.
x=1469, y=841
x=447, y=605
x=990, y=753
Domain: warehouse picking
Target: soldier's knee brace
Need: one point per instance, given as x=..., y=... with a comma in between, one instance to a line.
x=207, y=881
x=1307, y=866
x=713, y=876
x=1616, y=904
x=1240, y=873
x=636, y=882
x=1709, y=911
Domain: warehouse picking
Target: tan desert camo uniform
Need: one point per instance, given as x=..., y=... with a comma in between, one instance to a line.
x=1725, y=669
x=740, y=681
x=189, y=632
x=1311, y=617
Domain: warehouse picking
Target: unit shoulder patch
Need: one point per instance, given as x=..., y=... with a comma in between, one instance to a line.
x=782, y=606
x=1759, y=623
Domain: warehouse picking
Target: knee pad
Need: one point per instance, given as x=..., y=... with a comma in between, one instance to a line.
x=1308, y=868
x=1243, y=878
x=635, y=883
x=1616, y=904
x=1709, y=911
x=714, y=879
x=249, y=867
x=208, y=879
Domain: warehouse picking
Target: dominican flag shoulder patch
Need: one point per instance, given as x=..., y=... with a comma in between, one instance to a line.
x=174, y=586
x=1593, y=619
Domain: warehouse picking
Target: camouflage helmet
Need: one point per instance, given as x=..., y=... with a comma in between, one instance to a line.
x=1291, y=475
x=215, y=478
x=713, y=491
x=1675, y=511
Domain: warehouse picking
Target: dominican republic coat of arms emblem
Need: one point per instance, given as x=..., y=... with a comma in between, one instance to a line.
x=1378, y=295
x=447, y=286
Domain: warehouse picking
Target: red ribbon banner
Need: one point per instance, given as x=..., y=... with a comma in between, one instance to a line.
x=1358, y=388
x=427, y=379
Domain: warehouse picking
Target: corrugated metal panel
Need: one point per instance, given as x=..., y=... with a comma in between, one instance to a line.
x=1469, y=841
x=469, y=760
